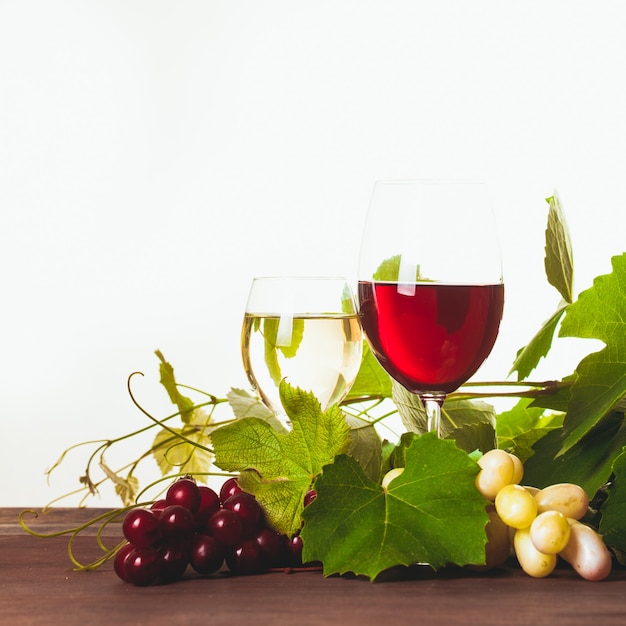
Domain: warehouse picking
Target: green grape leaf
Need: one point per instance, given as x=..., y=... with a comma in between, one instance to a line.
x=559, y=267
x=397, y=455
x=245, y=404
x=410, y=409
x=559, y=263
x=612, y=523
x=180, y=450
x=270, y=336
x=371, y=381
x=587, y=464
x=471, y=423
x=520, y=427
x=528, y=357
x=470, y=437
x=457, y=413
x=365, y=447
x=432, y=513
x=168, y=380
x=388, y=449
x=279, y=468
x=599, y=313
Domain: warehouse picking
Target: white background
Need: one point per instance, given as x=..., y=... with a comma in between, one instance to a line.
x=155, y=156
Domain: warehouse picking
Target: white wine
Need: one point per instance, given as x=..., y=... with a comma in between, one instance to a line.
x=318, y=353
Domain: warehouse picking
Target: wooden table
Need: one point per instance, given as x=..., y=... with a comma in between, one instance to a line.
x=37, y=586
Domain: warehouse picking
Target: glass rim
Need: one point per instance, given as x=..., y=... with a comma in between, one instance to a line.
x=431, y=181
x=301, y=277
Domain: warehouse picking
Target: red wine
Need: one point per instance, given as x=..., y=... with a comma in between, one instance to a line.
x=431, y=336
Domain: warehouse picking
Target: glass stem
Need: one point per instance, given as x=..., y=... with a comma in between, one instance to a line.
x=432, y=405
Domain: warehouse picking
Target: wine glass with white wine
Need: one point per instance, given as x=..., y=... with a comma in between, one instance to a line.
x=304, y=330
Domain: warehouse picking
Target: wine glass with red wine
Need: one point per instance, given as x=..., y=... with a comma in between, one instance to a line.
x=430, y=287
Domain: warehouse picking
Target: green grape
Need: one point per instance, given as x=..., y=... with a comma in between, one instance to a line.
x=567, y=498
x=518, y=469
x=535, y=563
x=550, y=532
x=587, y=553
x=516, y=506
x=497, y=470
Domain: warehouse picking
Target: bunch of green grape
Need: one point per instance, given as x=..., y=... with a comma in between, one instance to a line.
x=541, y=524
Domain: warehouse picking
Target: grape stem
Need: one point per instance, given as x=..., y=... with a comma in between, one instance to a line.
x=175, y=434
x=533, y=390
x=103, y=519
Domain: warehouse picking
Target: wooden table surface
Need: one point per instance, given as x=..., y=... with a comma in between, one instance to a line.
x=37, y=586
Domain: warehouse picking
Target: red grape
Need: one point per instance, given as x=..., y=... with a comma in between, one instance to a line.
x=246, y=508
x=294, y=551
x=226, y=527
x=141, y=527
x=119, y=561
x=184, y=492
x=209, y=504
x=309, y=496
x=174, y=558
x=229, y=488
x=206, y=554
x=142, y=566
x=176, y=521
x=273, y=548
x=158, y=506
x=246, y=558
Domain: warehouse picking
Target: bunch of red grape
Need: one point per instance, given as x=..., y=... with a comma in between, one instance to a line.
x=195, y=527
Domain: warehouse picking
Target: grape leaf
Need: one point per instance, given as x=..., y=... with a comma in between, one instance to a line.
x=279, y=468
x=523, y=425
x=177, y=450
x=371, y=381
x=599, y=313
x=558, y=260
x=432, y=513
x=168, y=380
x=397, y=455
x=559, y=267
x=245, y=404
x=365, y=447
x=471, y=437
x=587, y=464
x=612, y=527
x=528, y=357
